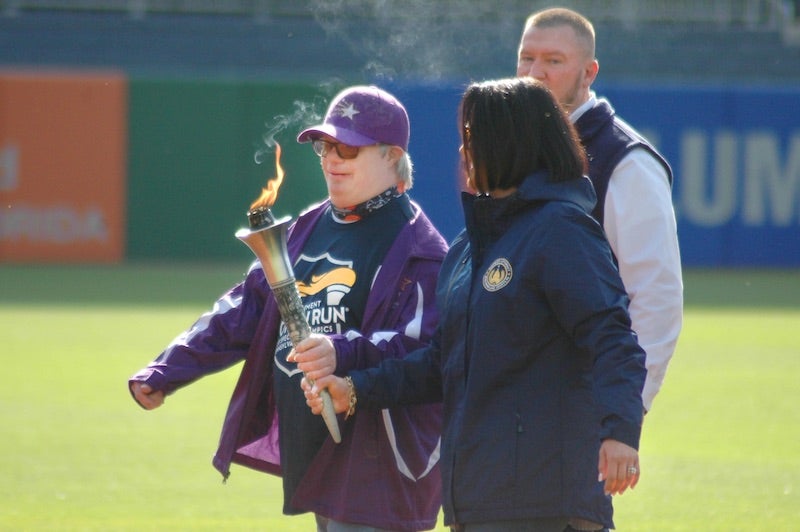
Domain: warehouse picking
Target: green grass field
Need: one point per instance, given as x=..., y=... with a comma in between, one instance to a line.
x=720, y=450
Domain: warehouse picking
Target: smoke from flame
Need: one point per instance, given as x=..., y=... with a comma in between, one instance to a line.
x=270, y=193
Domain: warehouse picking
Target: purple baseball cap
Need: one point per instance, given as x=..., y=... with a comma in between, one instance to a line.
x=362, y=116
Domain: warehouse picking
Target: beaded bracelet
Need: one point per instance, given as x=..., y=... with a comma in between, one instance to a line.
x=351, y=398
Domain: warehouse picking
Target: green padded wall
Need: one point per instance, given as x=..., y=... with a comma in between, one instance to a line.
x=191, y=168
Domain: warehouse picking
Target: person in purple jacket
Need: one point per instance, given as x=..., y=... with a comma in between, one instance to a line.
x=366, y=262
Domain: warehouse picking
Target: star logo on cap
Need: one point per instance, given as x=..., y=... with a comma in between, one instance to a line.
x=348, y=112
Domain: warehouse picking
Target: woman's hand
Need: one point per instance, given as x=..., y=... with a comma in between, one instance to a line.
x=337, y=387
x=618, y=467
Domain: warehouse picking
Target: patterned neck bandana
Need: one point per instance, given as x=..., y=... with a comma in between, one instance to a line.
x=357, y=212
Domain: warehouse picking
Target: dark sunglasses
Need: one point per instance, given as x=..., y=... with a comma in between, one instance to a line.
x=345, y=151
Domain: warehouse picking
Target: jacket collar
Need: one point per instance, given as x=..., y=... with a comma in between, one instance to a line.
x=535, y=188
x=538, y=187
x=487, y=219
x=594, y=119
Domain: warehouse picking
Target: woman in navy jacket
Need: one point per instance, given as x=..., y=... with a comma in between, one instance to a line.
x=534, y=359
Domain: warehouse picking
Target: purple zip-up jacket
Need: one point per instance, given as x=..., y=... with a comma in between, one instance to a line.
x=385, y=472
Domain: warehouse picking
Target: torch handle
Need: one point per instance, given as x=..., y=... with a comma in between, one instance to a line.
x=293, y=315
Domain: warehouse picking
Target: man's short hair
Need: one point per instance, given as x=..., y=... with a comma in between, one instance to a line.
x=559, y=16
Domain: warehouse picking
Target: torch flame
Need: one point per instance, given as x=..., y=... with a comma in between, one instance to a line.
x=270, y=193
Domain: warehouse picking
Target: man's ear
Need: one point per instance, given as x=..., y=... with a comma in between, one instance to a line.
x=590, y=73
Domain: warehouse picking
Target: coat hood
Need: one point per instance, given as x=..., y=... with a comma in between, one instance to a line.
x=539, y=187
x=487, y=218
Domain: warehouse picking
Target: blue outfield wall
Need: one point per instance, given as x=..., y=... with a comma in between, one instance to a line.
x=735, y=153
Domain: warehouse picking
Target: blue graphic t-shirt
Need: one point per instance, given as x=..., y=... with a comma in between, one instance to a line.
x=334, y=275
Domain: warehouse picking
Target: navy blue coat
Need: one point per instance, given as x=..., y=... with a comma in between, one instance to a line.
x=534, y=359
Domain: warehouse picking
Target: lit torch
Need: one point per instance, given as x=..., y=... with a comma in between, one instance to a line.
x=266, y=237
